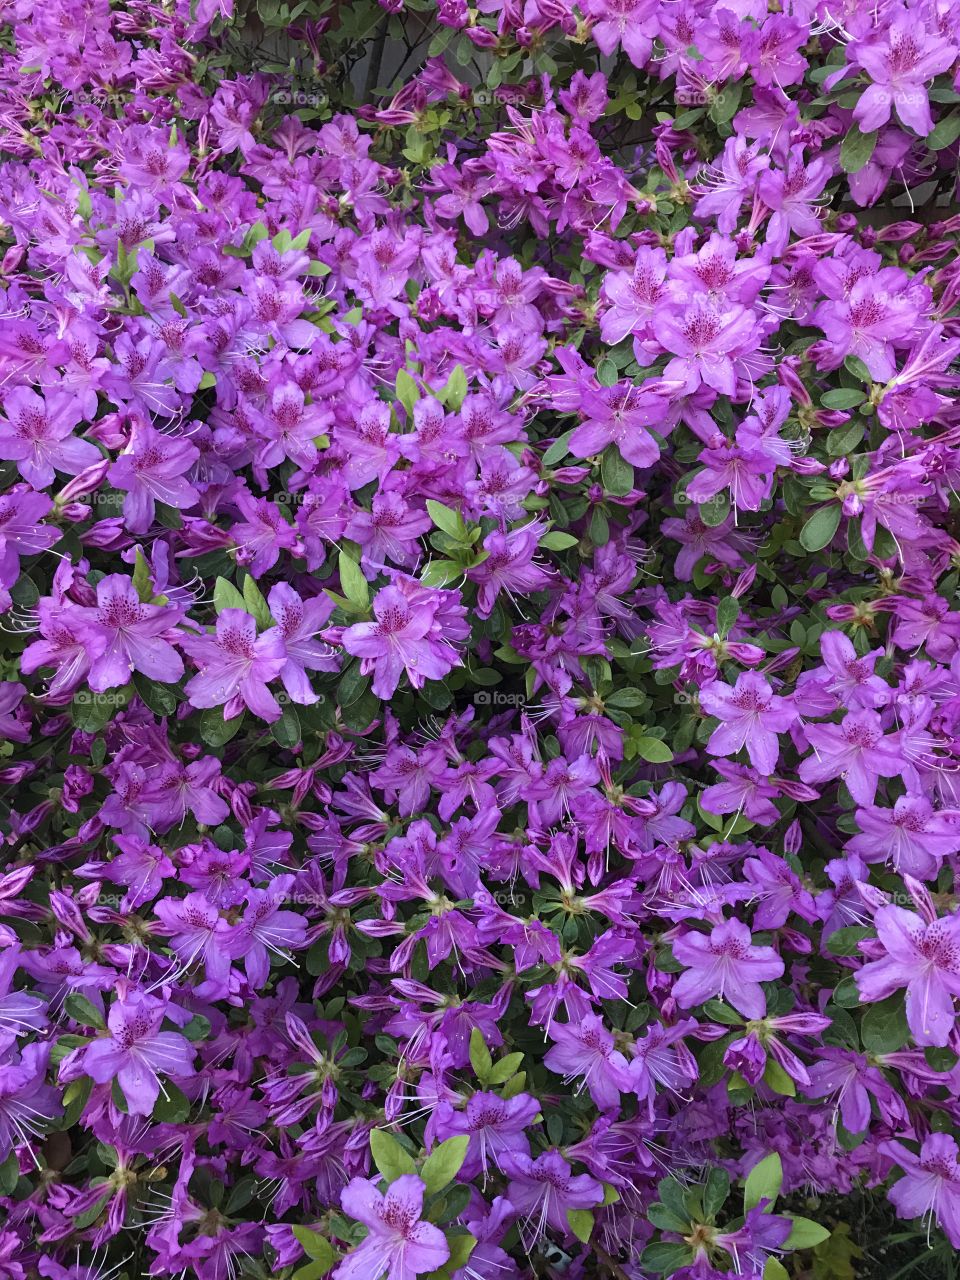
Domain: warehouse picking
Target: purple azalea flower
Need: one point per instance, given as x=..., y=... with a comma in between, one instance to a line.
x=135, y=635
x=36, y=432
x=235, y=666
x=136, y=1052
x=725, y=963
x=924, y=957
x=407, y=636
x=751, y=716
x=542, y=1191
x=931, y=1187
x=855, y=750
x=398, y=1242
x=586, y=1049
x=152, y=470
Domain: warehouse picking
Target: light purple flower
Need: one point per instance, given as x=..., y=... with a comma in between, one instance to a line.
x=398, y=1241
x=725, y=963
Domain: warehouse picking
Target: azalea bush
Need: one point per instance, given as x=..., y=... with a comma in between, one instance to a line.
x=481, y=670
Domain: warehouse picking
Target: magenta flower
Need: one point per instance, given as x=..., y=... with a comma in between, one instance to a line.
x=542, y=1191
x=586, y=1050
x=751, y=716
x=37, y=434
x=725, y=963
x=136, y=636
x=235, y=666
x=900, y=64
x=299, y=622
x=399, y=1243
x=924, y=957
x=931, y=1186
x=137, y=1052
x=406, y=636
x=854, y=750
x=494, y=1125
x=152, y=470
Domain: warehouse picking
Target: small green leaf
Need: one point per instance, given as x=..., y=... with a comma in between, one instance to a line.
x=443, y=1163
x=9, y=1175
x=480, y=1058
x=763, y=1181
x=454, y=391
x=884, y=1026
x=843, y=398
x=215, y=730
x=255, y=604
x=559, y=449
x=390, y=1158
x=775, y=1078
x=505, y=1068
x=445, y=518
x=581, y=1223
x=141, y=578
x=316, y=1246
x=558, y=541
x=856, y=150
x=728, y=611
x=408, y=393
x=84, y=1011
x=172, y=1106
x=945, y=132
x=820, y=529
x=226, y=596
x=775, y=1270
x=652, y=750
x=664, y=1258
x=616, y=474
x=805, y=1234
x=353, y=583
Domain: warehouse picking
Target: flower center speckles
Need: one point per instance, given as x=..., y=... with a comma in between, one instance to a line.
x=120, y=612
x=937, y=947
x=861, y=735
x=236, y=642
x=151, y=457
x=866, y=313
x=391, y=621
x=701, y=329
x=732, y=948
x=268, y=307
x=490, y=1114
x=32, y=423
x=714, y=272
x=904, y=55
x=750, y=700
x=400, y=1217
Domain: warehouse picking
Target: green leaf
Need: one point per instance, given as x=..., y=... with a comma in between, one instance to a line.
x=214, y=730
x=728, y=611
x=666, y=1220
x=461, y=1245
x=777, y=1079
x=84, y=1011
x=855, y=366
x=454, y=391
x=715, y=1191
x=9, y=1175
x=480, y=1058
x=172, y=1106
x=390, y=1158
x=353, y=583
x=819, y=530
x=856, y=150
x=664, y=1258
x=198, y=1028
x=843, y=398
x=775, y=1270
x=805, y=1234
x=725, y=103
x=505, y=1068
x=255, y=604
x=408, y=393
x=616, y=474
x=718, y=1012
x=286, y=731
x=763, y=1181
x=844, y=942
x=443, y=1163
x=317, y=1247
x=445, y=518
x=581, y=1223
x=944, y=132
x=652, y=750
x=558, y=541
x=559, y=449
x=141, y=578
x=884, y=1026
x=160, y=698
x=226, y=596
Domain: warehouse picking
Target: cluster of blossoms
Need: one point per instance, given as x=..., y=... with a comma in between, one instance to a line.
x=480, y=691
